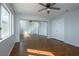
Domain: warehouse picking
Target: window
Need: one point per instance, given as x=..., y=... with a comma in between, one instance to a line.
x=5, y=16
x=34, y=27
x=7, y=22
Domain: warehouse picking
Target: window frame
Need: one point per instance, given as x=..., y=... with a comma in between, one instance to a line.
x=12, y=24
x=11, y=21
x=6, y=36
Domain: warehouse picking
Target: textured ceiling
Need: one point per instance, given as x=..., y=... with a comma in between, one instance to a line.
x=32, y=8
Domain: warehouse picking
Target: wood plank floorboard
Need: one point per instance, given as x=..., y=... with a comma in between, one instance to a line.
x=44, y=47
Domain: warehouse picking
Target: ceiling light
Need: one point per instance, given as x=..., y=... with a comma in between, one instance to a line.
x=48, y=9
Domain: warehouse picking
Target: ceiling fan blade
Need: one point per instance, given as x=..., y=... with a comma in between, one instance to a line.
x=55, y=8
x=52, y=4
x=42, y=9
x=42, y=4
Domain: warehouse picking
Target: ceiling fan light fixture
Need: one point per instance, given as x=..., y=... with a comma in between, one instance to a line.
x=48, y=9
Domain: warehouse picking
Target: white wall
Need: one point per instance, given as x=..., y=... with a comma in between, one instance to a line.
x=7, y=44
x=66, y=27
x=71, y=25
x=57, y=28
x=17, y=28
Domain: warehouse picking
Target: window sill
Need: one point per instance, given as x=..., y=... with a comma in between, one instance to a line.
x=4, y=37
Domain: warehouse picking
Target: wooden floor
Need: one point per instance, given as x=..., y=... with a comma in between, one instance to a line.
x=43, y=47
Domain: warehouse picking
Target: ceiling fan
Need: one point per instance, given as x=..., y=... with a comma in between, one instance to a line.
x=48, y=7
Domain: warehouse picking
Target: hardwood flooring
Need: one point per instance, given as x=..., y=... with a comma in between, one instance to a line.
x=43, y=47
